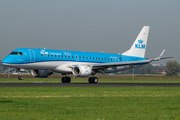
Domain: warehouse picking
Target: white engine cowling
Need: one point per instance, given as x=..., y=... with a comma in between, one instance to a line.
x=82, y=71
x=41, y=73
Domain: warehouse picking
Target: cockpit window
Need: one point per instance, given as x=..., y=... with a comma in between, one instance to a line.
x=16, y=53
x=13, y=53
x=20, y=53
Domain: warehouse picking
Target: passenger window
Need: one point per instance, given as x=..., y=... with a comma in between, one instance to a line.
x=90, y=57
x=62, y=56
x=102, y=58
x=59, y=55
x=105, y=58
x=66, y=56
x=87, y=57
x=96, y=58
x=99, y=58
x=69, y=56
x=52, y=55
x=80, y=57
x=108, y=58
x=93, y=58
x=41, y=54
x=72, y=56
x=55, y=55
x=45, y=55
x=84, y=57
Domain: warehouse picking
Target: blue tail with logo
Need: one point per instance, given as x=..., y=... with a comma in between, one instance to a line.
x=138, y=48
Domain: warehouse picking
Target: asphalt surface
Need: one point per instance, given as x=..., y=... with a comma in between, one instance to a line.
x=87, y=84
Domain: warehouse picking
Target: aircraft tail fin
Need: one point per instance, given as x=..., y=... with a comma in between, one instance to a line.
x=138, y=48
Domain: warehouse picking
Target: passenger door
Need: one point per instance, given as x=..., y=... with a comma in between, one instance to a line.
x=32, y=55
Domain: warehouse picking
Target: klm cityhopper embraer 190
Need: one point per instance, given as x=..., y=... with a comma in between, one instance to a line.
x=43, y=62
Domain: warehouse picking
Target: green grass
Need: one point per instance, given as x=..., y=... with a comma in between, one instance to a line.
x=116, y=79
x=90, y=103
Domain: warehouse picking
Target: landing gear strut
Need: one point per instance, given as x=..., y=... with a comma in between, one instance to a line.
x=93, y=80
x=66, y=79
x=20, y=77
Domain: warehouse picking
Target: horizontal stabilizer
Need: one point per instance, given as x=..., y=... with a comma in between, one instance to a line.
x=160, y=57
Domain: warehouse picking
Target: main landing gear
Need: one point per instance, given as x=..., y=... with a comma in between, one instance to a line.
x=66, y=79
x=93, y=80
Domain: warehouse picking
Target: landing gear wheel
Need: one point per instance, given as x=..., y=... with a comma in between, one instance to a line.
x=20, y=78
x=66, y=79
x=90, y=80
x=63, y=79
x=93, y=80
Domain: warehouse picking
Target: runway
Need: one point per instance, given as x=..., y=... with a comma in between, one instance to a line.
x=87, y=84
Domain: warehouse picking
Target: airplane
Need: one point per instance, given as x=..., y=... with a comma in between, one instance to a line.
x=43, y=62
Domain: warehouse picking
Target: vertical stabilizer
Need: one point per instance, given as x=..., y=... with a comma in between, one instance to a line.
x=138, y=48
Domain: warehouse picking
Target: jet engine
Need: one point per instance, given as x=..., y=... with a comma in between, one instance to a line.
x=41, y=73
x=82, y=71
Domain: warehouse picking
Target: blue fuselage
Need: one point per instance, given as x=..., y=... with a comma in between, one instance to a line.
x=59, y=60
x=31, y=55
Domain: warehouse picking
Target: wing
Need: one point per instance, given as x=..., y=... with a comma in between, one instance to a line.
x=100, y=67
x=110, y=65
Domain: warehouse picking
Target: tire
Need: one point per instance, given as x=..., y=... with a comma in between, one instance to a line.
x=68, y=79
x=95, y=80
x=20, y=78
x=91, y=80
x=63, y=79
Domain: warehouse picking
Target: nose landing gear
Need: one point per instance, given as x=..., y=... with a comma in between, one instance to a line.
x=20, y=76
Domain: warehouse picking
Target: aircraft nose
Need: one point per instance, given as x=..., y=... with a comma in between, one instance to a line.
x=6, y=61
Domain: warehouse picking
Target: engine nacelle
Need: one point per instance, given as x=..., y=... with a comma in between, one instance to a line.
x=82, y=71
x=41, y=73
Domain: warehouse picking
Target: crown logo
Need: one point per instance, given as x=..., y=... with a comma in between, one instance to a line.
x=140, y=41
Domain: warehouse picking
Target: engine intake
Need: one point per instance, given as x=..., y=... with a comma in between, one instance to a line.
x=82, y=71
x=41, y=73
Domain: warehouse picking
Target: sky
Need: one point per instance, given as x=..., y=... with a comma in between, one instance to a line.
x=110, y=26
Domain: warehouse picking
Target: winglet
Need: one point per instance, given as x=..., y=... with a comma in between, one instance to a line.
x=162, y=53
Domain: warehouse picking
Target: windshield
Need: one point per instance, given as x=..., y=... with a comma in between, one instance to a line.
x=16, y=53
x=13, y=53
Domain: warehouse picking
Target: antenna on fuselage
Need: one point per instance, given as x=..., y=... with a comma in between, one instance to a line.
x=44, y=47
